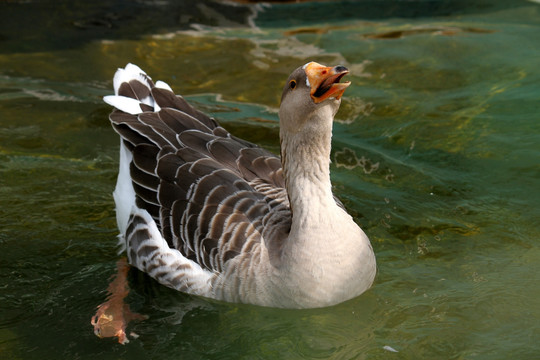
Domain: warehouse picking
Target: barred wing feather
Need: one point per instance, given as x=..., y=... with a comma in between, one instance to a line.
x=212, y=196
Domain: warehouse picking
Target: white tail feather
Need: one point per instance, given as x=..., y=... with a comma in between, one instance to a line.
x=124, y=103
x=163, y=85
x=130, y=72
x=127, y=104
x=124, y=194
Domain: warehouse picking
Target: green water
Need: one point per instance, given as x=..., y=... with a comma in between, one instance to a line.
x=436, y=154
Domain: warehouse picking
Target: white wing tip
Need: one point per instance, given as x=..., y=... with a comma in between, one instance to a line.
x=133, y=69
x=130, y=72
x=124, y=103
x=163, y=85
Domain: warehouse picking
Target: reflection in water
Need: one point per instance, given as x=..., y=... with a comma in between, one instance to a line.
x=427, y=30
x=114, y=315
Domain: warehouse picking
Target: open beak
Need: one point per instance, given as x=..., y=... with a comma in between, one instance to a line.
x=325, y=81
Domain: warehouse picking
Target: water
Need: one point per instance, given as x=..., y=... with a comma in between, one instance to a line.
x=436, y=154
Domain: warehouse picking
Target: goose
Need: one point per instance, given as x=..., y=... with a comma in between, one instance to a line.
x=212, y=215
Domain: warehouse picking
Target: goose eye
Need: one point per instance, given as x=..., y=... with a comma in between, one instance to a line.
x=292, y=84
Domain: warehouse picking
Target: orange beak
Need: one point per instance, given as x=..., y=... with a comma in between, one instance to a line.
x=325, y=81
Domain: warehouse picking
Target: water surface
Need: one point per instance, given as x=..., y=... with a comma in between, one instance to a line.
x=436, y=153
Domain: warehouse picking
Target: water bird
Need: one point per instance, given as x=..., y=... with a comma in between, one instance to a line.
x=207, y=213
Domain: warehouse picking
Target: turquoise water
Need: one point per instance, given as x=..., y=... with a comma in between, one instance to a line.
x=436, y=153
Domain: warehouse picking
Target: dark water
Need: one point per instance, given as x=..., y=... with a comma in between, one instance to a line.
x=436, y=153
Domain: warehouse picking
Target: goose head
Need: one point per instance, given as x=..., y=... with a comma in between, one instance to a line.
x=312, y=94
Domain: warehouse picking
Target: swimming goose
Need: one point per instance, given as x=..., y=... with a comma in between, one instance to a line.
x=209, y=214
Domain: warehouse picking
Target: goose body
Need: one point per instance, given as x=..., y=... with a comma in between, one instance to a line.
x=209, y=214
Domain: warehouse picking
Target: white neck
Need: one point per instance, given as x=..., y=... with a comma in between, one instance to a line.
x=327, y=257
x=306, y=167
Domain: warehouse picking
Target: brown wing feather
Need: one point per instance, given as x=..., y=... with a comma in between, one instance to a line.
x=213, y=196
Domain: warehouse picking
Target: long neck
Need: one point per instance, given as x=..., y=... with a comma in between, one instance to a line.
x=306, y=166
